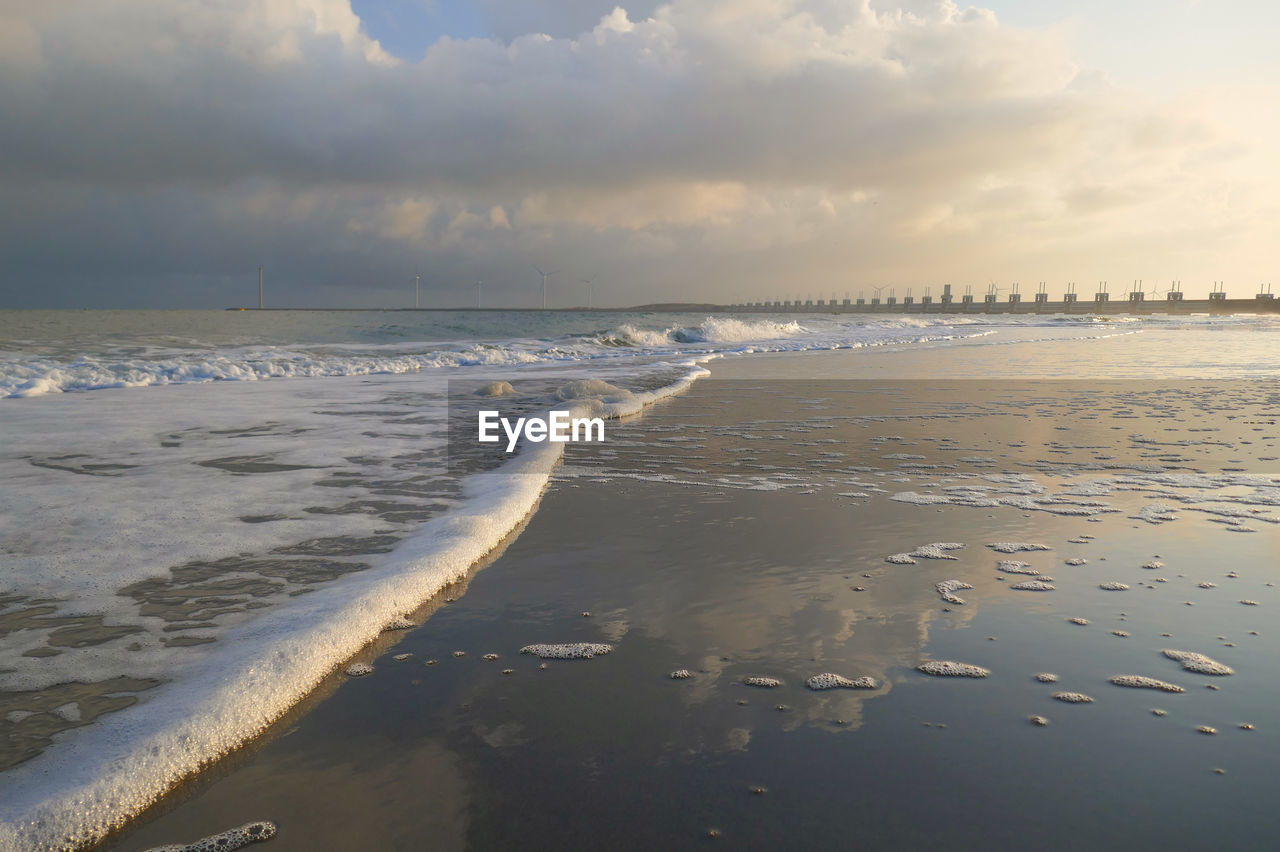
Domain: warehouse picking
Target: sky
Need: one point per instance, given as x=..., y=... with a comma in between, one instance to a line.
x=153, y=153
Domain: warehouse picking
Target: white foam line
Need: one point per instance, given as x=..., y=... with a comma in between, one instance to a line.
x=77, y=791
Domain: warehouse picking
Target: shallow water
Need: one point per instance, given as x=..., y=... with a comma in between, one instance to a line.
x=706, y=536
x=210, y=511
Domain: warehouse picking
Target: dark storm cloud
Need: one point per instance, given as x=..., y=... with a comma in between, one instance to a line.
x=153, y=141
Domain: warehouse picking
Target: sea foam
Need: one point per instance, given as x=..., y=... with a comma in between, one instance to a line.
x=827, y=680
x=88, y=783
x=950, y=668
x=1143, y=682
x=569, y=651
x=947, y=590
x=1017, y=546
x=1198, y=663
x=236, y=838
x=935, y=550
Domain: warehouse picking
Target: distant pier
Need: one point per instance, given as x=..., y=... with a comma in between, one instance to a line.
x=1136, y=303
x=1100, y=303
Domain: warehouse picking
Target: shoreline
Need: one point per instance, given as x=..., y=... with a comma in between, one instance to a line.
x=472, y=699
x=190, y=730
x=889, y=363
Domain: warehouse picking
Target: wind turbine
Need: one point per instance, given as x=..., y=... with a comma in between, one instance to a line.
x=545, y=276
x=478, y=283
x=417, y=280
x=589, y=282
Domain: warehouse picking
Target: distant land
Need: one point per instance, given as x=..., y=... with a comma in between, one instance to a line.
x=1263, y=303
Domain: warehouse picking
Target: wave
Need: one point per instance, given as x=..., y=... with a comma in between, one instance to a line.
x=73, y=794
x=37, y=377
x=75, y=366
x=23, y=375
x=710, y=330
x=719, y=330
x=1089, y=319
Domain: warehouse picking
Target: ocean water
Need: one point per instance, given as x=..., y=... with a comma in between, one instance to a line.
x=207, y=512
x=752, y=527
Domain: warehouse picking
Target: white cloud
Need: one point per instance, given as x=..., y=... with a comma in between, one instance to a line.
x=837, y=135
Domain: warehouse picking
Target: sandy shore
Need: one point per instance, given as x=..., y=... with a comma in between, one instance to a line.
x=737, y=539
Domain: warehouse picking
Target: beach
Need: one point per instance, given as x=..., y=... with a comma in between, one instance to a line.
x=775, y=520
x=677, y=424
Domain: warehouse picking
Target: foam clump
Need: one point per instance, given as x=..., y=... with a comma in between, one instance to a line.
x=1033, y=586
x=1038, y=721
x=762, y=682
x=592, y=389
x=493, y=389
x=935, y=550
x=1113, y=587
x=1142, y=682
x=827, y=680
x=234, y=839
x=1073, y=697
x=1249, y=603
x=1198, y=663
x=680, y=674
x=1077, y=561
x=1206, y=729
x=1046, y=677
x=398, y=623
x=950, y=668
x=1156, y=513
x=1014, y=566
x=1207, y=585
x=569, y=651
x=359, y=669
x=1016, y=546
x=947, y=590
x=490, y=657
x=1153, y=565
x=1080, y=621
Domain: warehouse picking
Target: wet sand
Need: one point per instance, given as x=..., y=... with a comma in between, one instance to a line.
x=727, y=538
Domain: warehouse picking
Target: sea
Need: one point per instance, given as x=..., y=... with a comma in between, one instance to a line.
x=206, y=513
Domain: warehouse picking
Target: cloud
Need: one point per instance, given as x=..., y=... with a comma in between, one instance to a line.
x=695, y=148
